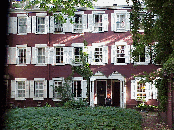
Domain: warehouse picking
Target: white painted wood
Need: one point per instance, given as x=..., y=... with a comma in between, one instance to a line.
x=14, y=25
x=105, y=21
x=113, y=22
x=45, y=89
x=13, y=87
x=90, y=23
x=148, y=90
x=128, y=21
x=147, y=56
x=51, y=56
x=10, y=25
x=84, y=89
x=28, y=55
x=31, y=88
x=33, y=61
x=155, y=92
x=113, y=54
x=84, y=21
x=46, y=24
x=27, y=89
x=65, y=55
x=12, y=55
x=29, y=24
x=70, y=55
x=51, y=24
x=46, y=55
x=127, y=54
x=105, y=54
x=33, y=24
x=133, y=89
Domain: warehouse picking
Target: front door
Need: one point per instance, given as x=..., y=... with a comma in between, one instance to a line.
x=116, y=93
x=101, y=92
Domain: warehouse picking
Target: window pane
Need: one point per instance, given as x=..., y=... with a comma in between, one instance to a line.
x=41, y=20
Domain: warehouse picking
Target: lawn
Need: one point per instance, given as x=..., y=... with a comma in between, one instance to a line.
x=85, y=118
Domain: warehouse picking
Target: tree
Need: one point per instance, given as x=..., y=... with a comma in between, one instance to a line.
x=66, y=7
x=156, y=30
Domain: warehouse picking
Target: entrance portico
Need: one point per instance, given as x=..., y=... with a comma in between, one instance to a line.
x=112, y=87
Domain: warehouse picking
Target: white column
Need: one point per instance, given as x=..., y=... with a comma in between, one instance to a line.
x=92, y=94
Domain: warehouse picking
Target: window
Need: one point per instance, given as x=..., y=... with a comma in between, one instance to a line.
x=40, y=24
x=76, y=89
x=141, y=57
x=59, y=55
x=120, y=49
x=57, y=87
x=39, y=89
x=98, y=54
x=77, y=54
x=98, y=25
x=22, y=25
x=22, y=55
x=120, y=22
x=41, y=55
x=20, y=89
x=78, y=26
x=141, y=94
x=58, y=25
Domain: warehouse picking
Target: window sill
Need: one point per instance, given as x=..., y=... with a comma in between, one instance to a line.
x=22, y=34
x=140, y=63
x=21, y=65
x=58, y=64
x=120, y=63
x=97, y=63
x=55, y=99
x=76, y=64
x=41, y=33
x=38, y=98
x=20, y=99
x=41, y=65
x=59, y=33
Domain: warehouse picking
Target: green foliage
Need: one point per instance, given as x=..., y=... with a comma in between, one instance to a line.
x=47, y=105
x=143, y=106
x=75, y=104
x=85, y=118
x=66, y=7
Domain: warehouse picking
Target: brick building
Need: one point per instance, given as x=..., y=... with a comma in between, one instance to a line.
x=41, y=51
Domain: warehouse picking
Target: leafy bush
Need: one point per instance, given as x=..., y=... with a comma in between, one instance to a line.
x=85, y=118
x=142, y=106
x=75, y=104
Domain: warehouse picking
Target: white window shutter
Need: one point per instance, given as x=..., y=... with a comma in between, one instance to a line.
x=51, y=55
x=50, y=88
x=113, y=54
x=27, y=89
x=51, y=24
x=65, y=25
x=33, y=24
x=105, y=21
x=12, y=55
x=84, y=21
x=113, y=23
x=155, y=92
x=28, y=55
x=46, y=54
x=70, y=54
x=65, y=55
x=148, y=90
x=90, y=22
x=84, y=89
x=17, y=55
x=127, y=21
x=31, y=88
x=33, y=61
x=46, y=24
x=133, y=89
x=29, y=24
x=91, y=54
x=127, y=54
x=14, y=25
x=132, y=48
x=45, y=88
x=70, y=25
x=13, y=87
x=105, y=54
x=10, y=25
x=147, y=56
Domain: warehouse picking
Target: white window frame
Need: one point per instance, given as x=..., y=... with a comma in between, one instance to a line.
x=98, y=24
x=42, y=55
x=147, y=57
x=17, y=53
x=22, y=17
x=22, y=89
x=54, y=92
x=78, y=26
x=59, y=25
x=40, y=24
x=142, y=91
x=60, y=54
x=38, y=83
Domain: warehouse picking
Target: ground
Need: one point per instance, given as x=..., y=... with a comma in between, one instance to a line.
x=151, y=121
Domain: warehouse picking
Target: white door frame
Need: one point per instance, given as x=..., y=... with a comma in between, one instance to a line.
x=115, y=75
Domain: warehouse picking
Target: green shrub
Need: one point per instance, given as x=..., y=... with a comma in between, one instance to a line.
x=142, y=106
x=85, y=118
x=75, y=104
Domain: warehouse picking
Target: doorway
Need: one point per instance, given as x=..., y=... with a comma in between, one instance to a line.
x=116, y=93
x=101, y=92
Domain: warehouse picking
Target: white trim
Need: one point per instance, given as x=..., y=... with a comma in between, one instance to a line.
x=58, y=45
x=39, y=79
x=80, y=12
x=98, y=12
x=20, y=79
x=21, y=15
x=77, y=78
x=41, y=14
x=40, y=45
x=22, y=46
x=77, y=44
x=60, y=79
x=120, y=11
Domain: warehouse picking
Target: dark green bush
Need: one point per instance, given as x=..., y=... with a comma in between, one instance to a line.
x=85, y=118
x=75, y=104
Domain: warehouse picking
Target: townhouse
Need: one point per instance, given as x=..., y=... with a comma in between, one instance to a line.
x=42, y=49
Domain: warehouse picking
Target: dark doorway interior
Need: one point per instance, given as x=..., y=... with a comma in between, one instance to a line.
x=101, y=92
x=116, y=93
